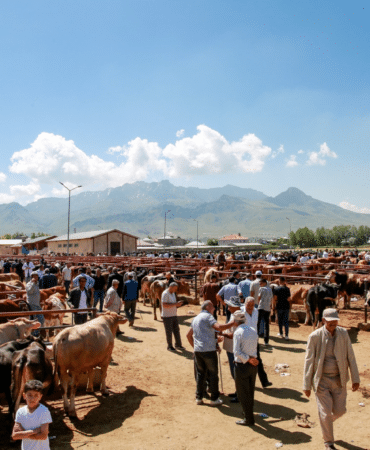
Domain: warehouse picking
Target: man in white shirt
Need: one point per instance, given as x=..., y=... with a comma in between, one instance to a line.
x=67, y=276
x=169, y=317
x=28, y=267
x=246, y=362
x=255, y=286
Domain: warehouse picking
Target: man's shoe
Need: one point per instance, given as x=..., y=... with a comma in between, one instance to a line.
x=180, y=347
x=199, y=401
x=279, y=335
x=217, y=402
x=232, y=395
x=245, y=423
x=171, y=349
x=234, y=400
x=286, y=338
x=266, y=385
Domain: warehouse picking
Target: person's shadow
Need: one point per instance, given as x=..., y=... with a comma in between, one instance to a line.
x=111, y=412
x=349, y=446
x=284, y=393
x=277, y=413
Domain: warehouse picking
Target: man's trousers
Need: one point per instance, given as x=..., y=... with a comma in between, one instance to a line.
x=245, y=381
x=331, y=403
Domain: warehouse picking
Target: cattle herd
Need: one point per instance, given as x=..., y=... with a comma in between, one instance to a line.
x=315, y=284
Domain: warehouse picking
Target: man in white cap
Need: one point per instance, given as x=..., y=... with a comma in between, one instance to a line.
x=329, y=355
x=255, y=286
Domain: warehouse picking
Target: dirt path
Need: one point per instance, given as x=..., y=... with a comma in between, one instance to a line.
x=152, y=405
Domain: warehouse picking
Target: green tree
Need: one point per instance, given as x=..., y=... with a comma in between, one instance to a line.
x=212, y=242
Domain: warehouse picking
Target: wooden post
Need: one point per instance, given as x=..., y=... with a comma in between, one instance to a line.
x=365, y=301
x=196, y=286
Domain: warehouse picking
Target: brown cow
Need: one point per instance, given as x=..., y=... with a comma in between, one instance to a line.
x=54, y=303
x=157, y=288
x=30, y=363
x=146, y=282
x=4, y=277
x=17, y=329
x=209, y=273
x=349, y=284
x=80, y=349
x=7, y=306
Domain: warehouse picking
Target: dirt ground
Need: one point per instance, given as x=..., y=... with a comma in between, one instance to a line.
x=152, y=401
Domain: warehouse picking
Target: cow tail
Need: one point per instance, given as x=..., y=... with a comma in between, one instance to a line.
x=16, y=383
x=55, y=373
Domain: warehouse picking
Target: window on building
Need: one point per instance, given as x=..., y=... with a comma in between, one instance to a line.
x=64, y=245
x=76, y=245
x=59, y=245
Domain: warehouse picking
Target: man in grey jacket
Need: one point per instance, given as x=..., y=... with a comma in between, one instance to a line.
x=329, y=355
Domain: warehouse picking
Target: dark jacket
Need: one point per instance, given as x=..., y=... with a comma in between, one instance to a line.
x=119, y=277
x=48, y=281
x=75, y=296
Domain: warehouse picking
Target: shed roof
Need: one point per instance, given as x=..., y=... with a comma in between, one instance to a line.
x=10, y=241
x=232, y=237
x=87, y=235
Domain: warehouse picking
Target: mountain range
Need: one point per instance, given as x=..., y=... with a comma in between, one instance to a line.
x=139, y=209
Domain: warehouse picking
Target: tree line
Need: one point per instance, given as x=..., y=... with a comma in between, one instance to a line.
x=336, y=236
x=17, y=235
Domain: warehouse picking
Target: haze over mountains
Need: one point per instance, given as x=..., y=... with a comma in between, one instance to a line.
x=139, y=208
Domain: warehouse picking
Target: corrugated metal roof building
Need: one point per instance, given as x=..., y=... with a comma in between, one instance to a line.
x=112, y=242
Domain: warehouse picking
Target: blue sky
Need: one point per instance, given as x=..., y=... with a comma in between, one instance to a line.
x=265, y=94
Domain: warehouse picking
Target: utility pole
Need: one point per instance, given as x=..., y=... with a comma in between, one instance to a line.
x=69, y=210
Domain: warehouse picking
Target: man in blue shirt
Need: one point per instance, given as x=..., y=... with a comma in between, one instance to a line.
x=244, y=287
x=130, y=291
x=202, y=338
x=226, y=292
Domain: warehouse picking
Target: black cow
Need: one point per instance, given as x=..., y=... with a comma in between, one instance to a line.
x=320, y=297
x=349, y=284
x=6, y=354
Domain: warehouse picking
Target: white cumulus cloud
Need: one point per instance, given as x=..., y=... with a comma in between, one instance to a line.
x=354, y=208
x=208, y=152
x=22, y=190
x=180, y=133
x=319, y=158
x=6, y=198
x=2, y=177
x=300, y=152
x=292, y=162
x=278, y=151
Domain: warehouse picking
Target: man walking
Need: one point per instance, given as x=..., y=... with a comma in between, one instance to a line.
x=99, y=285
x=246, y=362
x=130, y=295
x=33, y=298
x=255, y=286
x=202, y=338
x=169, y=316
x=282, y=305
x=329, y=355
x=264, y=309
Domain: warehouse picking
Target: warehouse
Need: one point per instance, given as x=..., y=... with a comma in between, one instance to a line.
x=111, y=242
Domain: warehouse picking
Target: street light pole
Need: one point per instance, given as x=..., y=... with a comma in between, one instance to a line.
x=69, y=210
x=165, y=223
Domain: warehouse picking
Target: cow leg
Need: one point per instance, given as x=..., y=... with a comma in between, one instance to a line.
x=104, y=370
x=155, y=308
x=72, y=405
x=64, y=381
x=308, y=313
x=90, y=381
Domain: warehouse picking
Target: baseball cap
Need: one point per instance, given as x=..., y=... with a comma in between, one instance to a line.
x=258, y=272
x=234, y=302
x=330, y=314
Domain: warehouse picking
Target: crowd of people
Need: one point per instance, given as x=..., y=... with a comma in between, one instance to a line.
x=247, y=304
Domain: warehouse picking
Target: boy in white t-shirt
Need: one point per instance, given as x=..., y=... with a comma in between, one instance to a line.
x=32, y=421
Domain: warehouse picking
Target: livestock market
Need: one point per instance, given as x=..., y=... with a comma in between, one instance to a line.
x=112, y=373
